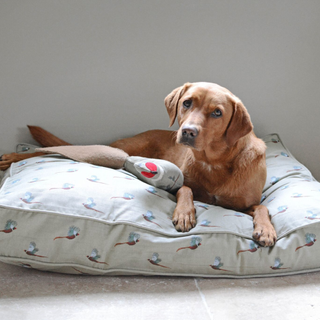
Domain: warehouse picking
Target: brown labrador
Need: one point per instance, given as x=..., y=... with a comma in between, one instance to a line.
x=222, y=160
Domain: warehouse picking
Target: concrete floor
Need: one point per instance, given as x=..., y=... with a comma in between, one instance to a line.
x=30, y=294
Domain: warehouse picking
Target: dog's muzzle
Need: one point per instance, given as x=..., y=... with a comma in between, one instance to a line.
x=189, y=134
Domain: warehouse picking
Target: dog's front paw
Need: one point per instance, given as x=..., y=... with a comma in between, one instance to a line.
x=184, y=220
x=264, y=234
x=7, y=159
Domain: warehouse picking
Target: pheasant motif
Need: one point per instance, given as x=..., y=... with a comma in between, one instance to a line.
x=94, y=256
x=298, y=195
x=281, y=209
x=68, y=171
x=35, y=180
x=271, y=199
x=236, y=214
x=153, y=191
x=132, y=239
x=295, y=168
x=45, y=161
x=253, y=248
x=10, y=226
x=310, y=240
x=282, y=154
x=312, y=216
x=22, y=163
x=155, y=260
x=203, y=205
x=126, y=177
x=194, y=244
x=66, y=186
x=217, y=264
x=149, y=217
x=90, y=204
x=126, y=196
x=206, y=223
x=95, y=179
x=28, y=197
x=72, y=233
x=277, y=264
x=32, y=250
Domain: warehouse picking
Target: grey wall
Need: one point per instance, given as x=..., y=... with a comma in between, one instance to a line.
x=94, y=71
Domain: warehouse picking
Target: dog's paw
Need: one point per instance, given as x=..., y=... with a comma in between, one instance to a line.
x=264, y=234
x=184, y=221
x=7, y=159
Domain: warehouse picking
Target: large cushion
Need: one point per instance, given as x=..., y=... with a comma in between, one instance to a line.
x=65, y=216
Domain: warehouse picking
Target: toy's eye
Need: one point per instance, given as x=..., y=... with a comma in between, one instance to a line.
x=216, y=113
x=187, y=103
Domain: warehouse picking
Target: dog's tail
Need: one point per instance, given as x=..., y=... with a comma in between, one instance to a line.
x=45, y=138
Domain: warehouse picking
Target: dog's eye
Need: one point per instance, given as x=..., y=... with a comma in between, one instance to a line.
x=216, y=113
x=187, y=103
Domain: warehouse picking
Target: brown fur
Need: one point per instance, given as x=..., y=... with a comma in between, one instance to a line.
x=222, y=160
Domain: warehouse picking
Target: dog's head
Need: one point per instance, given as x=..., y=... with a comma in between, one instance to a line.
x=207, y=114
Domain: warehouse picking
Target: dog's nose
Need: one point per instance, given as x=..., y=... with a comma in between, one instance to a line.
x=189, y=132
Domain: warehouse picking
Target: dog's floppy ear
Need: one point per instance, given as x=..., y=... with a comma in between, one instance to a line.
x=240, y=123
x=172, y=99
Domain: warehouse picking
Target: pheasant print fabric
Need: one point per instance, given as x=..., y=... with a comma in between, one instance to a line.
x=65, y=216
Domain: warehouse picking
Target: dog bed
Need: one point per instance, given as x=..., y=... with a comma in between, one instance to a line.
x=65, y=216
